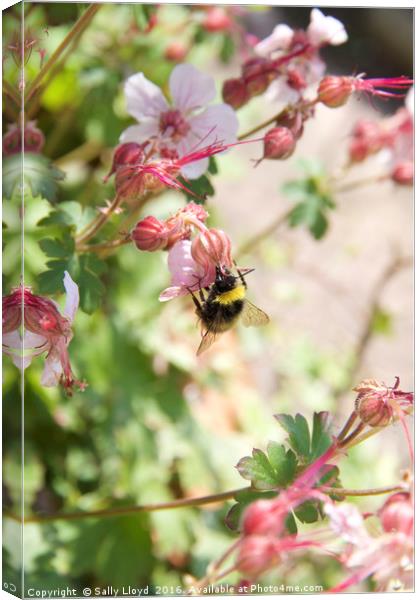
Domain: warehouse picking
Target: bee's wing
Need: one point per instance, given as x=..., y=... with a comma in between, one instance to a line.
x=253, y=316
x=207, y=340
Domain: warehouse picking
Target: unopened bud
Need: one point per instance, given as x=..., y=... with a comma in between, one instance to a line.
x=293, y=120
x=403, y=173
x=257, y=75
x=235, y=92
x=150, y=234
x=216, y=19
x=279, y=143
x=257, y=554
x=33, y=138
x=212, y=248
x=125, y=155
x=176, y=51
x=263, y=517
x=335, y=91
x=397, y=514
x=373, y=409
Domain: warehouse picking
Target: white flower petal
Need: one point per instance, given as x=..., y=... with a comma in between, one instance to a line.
x=72, y=297
x=33, y=341
x=52, y=371
x=280, y=91
x=409, y=101
x=195, y=169
x=279, y=39
x=217, y=123
x=144, y=98
x=190, y=88
x=12, y=339
x=325, y=30
x=347, y=522
x=140, y=133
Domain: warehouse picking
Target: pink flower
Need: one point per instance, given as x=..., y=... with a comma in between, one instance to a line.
x=184, y=124
x=186, y=274
x=45, y=330
x=308, y=68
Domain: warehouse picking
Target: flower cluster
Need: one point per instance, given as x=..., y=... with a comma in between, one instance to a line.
x=393, y=136
x=387, y=556
x=45, y=329
x=287, y=62
x=178, y=128
x=192, y=261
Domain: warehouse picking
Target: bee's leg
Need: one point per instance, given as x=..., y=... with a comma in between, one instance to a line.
x=196, y=301
x=242, y=278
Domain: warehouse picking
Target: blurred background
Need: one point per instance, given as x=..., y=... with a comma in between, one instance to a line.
x=156, y=423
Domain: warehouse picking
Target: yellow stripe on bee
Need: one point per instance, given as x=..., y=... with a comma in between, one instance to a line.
x=238, y=293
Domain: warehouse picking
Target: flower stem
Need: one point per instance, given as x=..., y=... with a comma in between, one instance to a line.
x=10, y=91
x=76, y=30
x=127, y=510
x=351, y=437
x=368, y=492
x=351, y=185
x=93, y=227
x=347, y=426
x=105, y=245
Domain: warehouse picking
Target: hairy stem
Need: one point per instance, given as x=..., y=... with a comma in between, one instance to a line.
x=95, y=225
x=10, y=91
x=262, y=235
x=127, y=510
x=104, y=247
x=76, y=30
x=368, y=492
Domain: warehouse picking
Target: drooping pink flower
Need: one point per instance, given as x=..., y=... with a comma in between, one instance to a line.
x=45, y=329
x=377, y=404
x=186, y=274
x=184, y=124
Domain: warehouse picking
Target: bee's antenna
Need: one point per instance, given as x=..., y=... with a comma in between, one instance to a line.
x=243, y=272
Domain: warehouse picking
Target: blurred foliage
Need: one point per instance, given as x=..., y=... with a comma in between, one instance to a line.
x=146, y=429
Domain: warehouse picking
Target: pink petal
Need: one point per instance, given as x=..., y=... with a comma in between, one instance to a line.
x=346, y=522
x=72, y=297
x=195, y=169
x=280, y=91
x=325, y=30
x=172, y=292
x=217, y=123
x=144, y=98
x=140, y=133
x=52, y=371
x=280, y=39
x=190, y=88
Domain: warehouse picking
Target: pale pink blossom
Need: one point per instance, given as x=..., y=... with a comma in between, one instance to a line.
x=325, y=30
x=185, y=123
x=186, y=274
x=45, y=330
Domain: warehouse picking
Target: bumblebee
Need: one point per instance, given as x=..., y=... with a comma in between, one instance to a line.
x=224, y=305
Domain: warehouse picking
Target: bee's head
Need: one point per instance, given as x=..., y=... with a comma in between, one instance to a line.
x=224, y=281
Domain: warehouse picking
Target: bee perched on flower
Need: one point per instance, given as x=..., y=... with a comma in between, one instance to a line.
x=202, y=267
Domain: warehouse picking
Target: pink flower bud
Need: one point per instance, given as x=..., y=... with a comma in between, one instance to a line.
x=150, y=234
x=12, y=140
x=403, y=173
x=33, y=138
x=211, y=248
x=292, y=120
x=397, y=514
x=279, y=143
x=263, y=517
x=235, y=92
x=176, y=51
x=125, y=155
x=373, y=410
x=216, y=19
x=335, y=91
x=257, y=554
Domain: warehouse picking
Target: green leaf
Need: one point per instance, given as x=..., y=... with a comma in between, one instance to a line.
x=90, y=286
x=56, y=248
x=201, y=186
x=307, y=512
x=298, y=430
x=269, y=472
x=321, y=438
x=228, y=48
x=143, y=13
x=117, y=550
x=39, y=175
x=68, y=214
x=290, y=524
x=213, y=168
